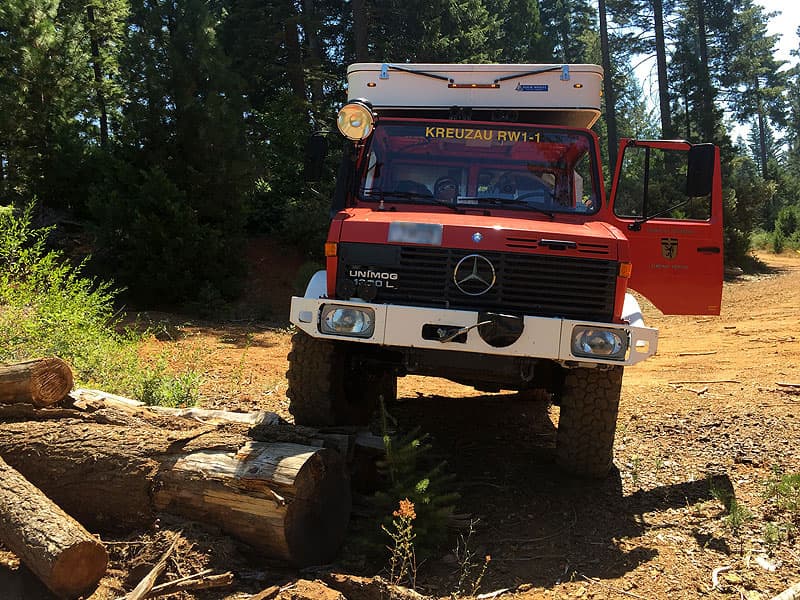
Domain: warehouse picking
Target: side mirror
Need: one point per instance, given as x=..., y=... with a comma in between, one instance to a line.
x=316, y=151
x=700, y=170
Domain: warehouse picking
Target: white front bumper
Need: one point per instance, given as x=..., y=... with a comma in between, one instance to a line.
x=401, y=326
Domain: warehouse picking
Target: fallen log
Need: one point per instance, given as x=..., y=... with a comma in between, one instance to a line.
x=290, y=501
x=40, y=382
x=66, y=557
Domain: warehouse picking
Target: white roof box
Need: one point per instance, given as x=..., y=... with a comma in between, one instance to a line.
x=546, y=93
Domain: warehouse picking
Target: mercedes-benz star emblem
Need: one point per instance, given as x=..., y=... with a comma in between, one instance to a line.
x=474, y=275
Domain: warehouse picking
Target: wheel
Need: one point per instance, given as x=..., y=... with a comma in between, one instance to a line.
x=326, y=387
x=588, y=420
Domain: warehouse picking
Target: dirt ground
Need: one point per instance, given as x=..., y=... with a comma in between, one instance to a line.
x=705, y=414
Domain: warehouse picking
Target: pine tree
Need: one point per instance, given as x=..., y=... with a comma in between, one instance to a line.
x=646, y=21
x=751, y=77
x=170, y=208
x=565, y=23
x=520, y=34
x=41, y=96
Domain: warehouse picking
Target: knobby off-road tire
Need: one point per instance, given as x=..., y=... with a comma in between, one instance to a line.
x=588, y=421
x=327, y=388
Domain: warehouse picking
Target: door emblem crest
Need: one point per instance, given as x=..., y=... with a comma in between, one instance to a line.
x=669, y=247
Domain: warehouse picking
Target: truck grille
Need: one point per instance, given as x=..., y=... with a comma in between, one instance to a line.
x=526, y=284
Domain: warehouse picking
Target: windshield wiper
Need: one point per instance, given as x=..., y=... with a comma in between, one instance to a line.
x=415, y=197
x=498, y=201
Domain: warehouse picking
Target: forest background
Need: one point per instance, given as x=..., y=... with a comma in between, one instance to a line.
x=161, y=134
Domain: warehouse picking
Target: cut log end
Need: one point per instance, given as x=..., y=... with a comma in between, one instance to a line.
x=39, y=382
x=51, y=381
x=317, y=520
x=78, y=569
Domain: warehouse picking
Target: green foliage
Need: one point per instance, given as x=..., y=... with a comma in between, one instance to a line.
x=282, y=203
x=787, y=229
x=158, y=386
x=760, y=239
x=47, y=307
x=409, y=474
x=174, y=125
x=783, y=489
x=154, y=241
x=736, y=514
x=775, y=534
x=744, y=198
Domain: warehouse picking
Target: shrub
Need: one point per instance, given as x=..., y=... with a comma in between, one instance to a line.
x=47, y=307
x=154, y=240
x=760, y=239
x=778, y=241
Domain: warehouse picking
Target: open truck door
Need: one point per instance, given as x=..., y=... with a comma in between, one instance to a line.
x=666, y=197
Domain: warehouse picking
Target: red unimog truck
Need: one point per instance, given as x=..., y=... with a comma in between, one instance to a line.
x=472, y=239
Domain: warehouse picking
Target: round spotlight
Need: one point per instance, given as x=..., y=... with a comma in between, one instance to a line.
x=355, y=120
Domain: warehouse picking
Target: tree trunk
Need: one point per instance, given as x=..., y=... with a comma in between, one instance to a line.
x=66, y=557
x=310, y=27
x=39, y=382
x=294, y=57
x=608, y=89
x=707, y=93
x=762, y=130
x=290, y=501
x=360, y=28
x=661, y=62
x=98, y=76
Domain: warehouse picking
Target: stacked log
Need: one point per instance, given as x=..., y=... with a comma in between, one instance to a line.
x=65, y=557
x=288, y=500
x=40, y=382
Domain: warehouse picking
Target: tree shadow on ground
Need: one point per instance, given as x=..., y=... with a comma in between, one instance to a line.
x=539, y=525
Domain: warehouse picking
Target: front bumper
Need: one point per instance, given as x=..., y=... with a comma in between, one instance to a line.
x=542, y=337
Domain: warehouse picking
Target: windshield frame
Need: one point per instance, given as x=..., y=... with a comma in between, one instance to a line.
x=475, y=161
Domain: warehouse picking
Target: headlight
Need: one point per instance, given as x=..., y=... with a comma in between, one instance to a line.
x=355, y=120
x=596, y=342
x=347, y=320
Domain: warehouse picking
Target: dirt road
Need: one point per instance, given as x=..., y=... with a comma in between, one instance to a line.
x=703, y=416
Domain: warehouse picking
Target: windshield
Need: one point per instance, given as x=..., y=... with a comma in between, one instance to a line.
x=462, y=165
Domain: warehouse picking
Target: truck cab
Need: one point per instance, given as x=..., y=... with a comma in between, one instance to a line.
x=472, y=239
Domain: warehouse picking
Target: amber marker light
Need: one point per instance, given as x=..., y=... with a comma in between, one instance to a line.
x=331, y=249
x=484, y=86
x=625, y=270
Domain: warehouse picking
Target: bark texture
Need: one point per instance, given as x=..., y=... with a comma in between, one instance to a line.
x=66, y=557
x=290, y=501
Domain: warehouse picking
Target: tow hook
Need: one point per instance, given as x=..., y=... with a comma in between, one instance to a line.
x=448, y=335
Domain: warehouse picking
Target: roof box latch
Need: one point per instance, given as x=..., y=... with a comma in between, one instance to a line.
x=565, y=73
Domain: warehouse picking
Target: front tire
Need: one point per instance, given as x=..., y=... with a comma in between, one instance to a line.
x=327, y=387
x=588, y=420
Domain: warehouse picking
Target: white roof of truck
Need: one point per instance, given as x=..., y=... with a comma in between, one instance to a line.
x=544, y=93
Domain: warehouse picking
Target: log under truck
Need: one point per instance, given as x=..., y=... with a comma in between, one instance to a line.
x=472, y=239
